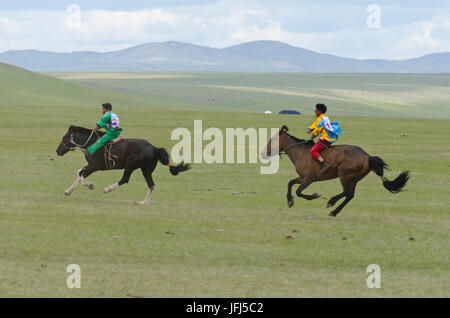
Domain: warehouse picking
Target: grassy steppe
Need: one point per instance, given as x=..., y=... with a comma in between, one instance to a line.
x=219, y=244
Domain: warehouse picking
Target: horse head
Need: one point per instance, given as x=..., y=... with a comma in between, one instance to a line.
x=66, y=143
x=276, y=143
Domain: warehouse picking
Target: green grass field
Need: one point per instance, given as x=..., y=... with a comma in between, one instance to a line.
x=197, y=238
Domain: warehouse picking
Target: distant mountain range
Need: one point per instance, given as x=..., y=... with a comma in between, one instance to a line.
x=258, y=56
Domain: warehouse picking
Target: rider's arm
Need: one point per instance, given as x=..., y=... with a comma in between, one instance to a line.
x=313, y=128
x=105, y=119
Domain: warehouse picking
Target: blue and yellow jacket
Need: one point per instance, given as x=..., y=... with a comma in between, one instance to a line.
x=318, y=128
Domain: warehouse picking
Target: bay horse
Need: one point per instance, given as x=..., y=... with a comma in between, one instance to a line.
x=129, y=154
x=348, y=163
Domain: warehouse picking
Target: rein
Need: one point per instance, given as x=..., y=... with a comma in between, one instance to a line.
x=109, y=157
x=284, y=151
x=71, y=141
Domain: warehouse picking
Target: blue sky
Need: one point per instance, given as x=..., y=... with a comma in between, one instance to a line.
x=99, y=4
x=403, y=29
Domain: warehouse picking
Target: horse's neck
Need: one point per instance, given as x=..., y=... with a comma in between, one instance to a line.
x=83, y=138
x=295, y=150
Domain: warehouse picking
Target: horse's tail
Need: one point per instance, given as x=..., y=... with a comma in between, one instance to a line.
x=163, y=157
x=378, y=165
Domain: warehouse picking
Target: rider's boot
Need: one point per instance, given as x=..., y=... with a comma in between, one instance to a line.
x=325, y=167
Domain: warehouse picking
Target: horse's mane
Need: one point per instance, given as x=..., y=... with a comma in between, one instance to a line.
x=84, y=131
x=296, y=139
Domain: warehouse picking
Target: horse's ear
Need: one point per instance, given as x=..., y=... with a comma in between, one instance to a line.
x=284, y=128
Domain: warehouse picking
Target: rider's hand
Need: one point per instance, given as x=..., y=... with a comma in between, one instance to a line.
x=95, y=129
x=308, y=131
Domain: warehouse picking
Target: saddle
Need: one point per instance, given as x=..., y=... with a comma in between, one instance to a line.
x=110, y=162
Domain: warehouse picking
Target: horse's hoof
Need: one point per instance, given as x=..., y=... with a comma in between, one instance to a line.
x=142, y=203
x=105, y=191
x=91, y=187
x=290, y=203
x=332, y=214
x=329, y=205
x=67, y=193
x=315, y=195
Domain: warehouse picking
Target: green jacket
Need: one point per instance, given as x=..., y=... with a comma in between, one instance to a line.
x=110, y=122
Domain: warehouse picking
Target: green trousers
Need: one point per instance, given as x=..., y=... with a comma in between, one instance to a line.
x=110, y=135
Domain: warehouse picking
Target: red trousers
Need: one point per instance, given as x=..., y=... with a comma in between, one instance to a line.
x=318, y=147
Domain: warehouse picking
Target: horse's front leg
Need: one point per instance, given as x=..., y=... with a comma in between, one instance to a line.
x=86, y=172
x=305, y=183
x=75, y=184
x=291, y=183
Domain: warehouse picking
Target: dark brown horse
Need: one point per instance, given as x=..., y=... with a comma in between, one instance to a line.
x=348, y=163
x=129, y=154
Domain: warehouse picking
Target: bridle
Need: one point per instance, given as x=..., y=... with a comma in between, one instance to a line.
x=285, y=149
x=71, y=141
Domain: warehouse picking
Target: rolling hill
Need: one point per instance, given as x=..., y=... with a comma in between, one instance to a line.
x=258, y=56
x=23, y=88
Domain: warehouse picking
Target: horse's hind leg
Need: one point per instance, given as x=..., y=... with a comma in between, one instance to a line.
x=291, y=183
x=147, y=172
x=125, y=178
x=349, y=193
x=335, y=199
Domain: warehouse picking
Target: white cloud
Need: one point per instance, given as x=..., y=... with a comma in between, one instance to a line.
x=424, y=37
x=225, y=23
